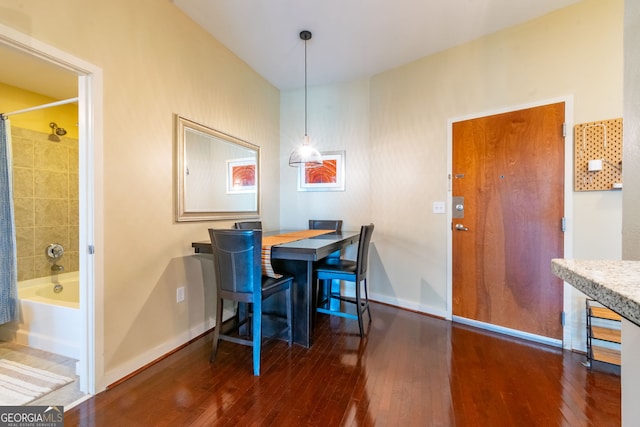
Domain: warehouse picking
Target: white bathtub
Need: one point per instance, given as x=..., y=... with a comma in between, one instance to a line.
x=49, y=321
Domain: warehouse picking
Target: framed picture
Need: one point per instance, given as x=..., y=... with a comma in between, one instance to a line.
x=328, y=177
x=241, y=176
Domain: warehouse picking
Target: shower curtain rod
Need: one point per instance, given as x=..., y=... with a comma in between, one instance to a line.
x=40, y=107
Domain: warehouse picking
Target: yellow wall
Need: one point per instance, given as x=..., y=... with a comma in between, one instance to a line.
x=14, y=99
x=45, y=181
x=155, y=62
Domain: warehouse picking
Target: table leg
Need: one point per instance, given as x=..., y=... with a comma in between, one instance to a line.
x=302, y=298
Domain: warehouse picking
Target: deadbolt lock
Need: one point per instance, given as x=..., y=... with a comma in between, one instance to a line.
x=458, y=207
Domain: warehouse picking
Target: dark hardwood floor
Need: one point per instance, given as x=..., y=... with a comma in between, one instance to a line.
x=411, y=370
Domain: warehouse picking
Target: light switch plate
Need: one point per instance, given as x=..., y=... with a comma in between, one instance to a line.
x=439, y=208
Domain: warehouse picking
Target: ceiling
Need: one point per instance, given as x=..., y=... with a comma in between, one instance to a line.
x=352, y=39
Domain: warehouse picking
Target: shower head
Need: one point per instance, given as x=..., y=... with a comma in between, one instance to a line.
x=56, y=132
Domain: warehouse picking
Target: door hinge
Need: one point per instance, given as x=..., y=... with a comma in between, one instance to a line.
x=564, y=130
x=563, y=224
x=90, y=249
x=562, y=318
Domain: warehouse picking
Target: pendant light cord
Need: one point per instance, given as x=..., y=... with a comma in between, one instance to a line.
x=305, y=88
x=305, y=155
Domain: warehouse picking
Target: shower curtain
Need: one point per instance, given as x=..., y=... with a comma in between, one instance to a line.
x=8, y=256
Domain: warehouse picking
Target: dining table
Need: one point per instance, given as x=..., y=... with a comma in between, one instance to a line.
x=297, y=257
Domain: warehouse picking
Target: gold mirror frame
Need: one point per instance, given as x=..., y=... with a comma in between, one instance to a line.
x=217, y=175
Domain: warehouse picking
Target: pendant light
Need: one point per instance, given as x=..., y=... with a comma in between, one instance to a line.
x=305, y=154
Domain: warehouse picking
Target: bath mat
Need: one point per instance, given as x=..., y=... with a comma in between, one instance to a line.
x=21, y=384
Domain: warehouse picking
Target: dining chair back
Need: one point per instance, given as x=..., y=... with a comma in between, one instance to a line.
x=326, y=286
x=238, y=273
x=325, y=224
x=350, y=271
x=248, y=225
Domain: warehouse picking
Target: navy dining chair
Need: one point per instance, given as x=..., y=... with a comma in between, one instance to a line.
x=248, y=225
x=237, y=256
x=326, y=224
x=350, y=271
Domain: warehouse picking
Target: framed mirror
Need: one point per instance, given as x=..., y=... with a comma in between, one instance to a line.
x=217, y=175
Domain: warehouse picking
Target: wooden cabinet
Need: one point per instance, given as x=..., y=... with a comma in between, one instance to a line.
x=603, y=334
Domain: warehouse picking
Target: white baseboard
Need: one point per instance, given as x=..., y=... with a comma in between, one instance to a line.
x=437, y=312
x=507, y=331
x=125, y=369
x=43, y=342
x=77, y=402
x=11, y=333
x=408, y=305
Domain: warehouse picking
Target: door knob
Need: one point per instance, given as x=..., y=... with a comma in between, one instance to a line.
x=461, y=227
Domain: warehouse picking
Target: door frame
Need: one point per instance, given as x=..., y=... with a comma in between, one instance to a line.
x=90, y=368
x=568, y=215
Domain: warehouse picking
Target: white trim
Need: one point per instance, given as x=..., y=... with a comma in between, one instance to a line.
x=153, y=354
x=568, y=198
x=567, y=336
x=77, y=402
x=507, y=331
x=143, y=359
x=408, y=305
x=91, y=364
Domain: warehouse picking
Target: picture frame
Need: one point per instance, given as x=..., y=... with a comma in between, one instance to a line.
x=241, y=176
x=328, y=177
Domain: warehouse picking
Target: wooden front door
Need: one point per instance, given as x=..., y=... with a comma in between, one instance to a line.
x=509, y=170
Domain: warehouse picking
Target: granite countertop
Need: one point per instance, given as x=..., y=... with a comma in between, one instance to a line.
x=615, y=284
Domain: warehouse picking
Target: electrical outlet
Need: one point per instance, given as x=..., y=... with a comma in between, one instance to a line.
x=180, y=294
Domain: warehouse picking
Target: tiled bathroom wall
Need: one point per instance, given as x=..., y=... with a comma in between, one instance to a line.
x=45, y=192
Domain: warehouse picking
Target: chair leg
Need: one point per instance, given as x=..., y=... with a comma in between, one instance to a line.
x=322, y=295
x=216, y=330
x=289, y=315
x=257, y=336
x=359, y=310
x=333, y=288
x=326, y=292
x=334, y=296
x=366, y=298
x=318, y=297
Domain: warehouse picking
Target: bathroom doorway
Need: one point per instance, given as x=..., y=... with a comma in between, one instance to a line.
x=34, y=67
